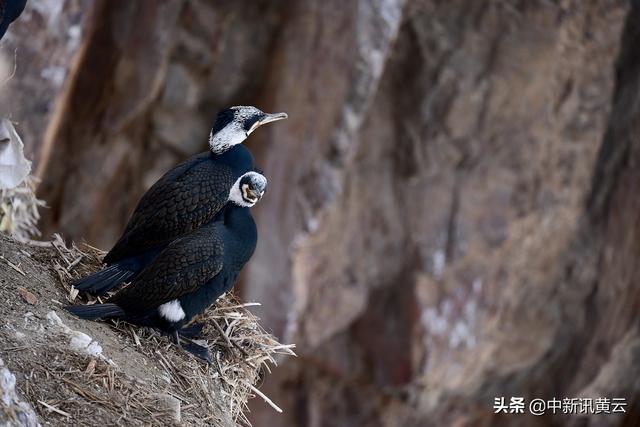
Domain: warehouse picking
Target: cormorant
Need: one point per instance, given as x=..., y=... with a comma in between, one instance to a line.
x=9, y=12
x=186, y=197
x=191, y=273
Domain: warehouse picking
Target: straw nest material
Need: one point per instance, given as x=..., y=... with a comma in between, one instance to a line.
x=115, y=373
x=19, y=210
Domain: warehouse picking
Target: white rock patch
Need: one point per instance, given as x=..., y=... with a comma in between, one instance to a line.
x=78, y=341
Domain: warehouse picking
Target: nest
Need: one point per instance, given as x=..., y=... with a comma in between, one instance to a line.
x=242, y=350
x=19, y=210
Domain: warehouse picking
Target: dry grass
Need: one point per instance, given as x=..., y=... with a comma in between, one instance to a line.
x=86, y=390
x=19, y=210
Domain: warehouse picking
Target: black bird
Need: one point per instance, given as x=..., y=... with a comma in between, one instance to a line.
x=9, y=12
x=189, y=195
x=191, y=273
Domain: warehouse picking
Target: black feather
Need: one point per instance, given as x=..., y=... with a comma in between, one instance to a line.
x=192, y=331
x=251, y=120
x=96, y=311
x=104, y=280
x=9, y=12
x=182, y=200
x=195, y=270
x=223, y=118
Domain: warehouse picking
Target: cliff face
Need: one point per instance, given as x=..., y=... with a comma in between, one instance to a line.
x=452, y=208
x=444, y=263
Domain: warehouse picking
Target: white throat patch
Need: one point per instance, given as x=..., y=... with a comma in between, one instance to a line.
x=230, y=135
x=235, y=194
x=172, y=311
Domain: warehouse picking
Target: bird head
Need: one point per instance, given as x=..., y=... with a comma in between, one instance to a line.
x=235, y=124
x=248, y=189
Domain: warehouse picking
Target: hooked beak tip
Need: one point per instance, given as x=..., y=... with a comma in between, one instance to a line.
x=256, y=196
x=268, y=118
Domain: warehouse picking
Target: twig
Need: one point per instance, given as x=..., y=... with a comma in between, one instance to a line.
x=12, y=265
x=37, y=243
x=228, y=340
x=22, y=347
x=135, y=337
x=75, y=262
x=54, y=409
x=247, y=304
x=100, y=251
x=265, y=398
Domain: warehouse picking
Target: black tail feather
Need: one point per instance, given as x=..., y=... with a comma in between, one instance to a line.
x=96, y=311
x=103, y=281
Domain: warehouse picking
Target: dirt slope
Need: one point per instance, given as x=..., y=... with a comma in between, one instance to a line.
x=86, y=373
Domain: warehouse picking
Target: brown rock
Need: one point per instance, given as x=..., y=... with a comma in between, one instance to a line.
x=425, y=239
x=27, y=296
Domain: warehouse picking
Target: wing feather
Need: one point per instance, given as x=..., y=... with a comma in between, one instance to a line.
x=181, y=201
x=183, y=267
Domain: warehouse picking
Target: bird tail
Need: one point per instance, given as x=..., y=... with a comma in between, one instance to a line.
x=104, y=280
x=96, y=311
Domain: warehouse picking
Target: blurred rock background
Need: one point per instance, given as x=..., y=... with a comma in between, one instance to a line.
x=453, y=210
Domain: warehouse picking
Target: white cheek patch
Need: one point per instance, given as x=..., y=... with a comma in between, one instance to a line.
x=245, y=188
x=235, y=195
x=172, y=311
x=232, y=134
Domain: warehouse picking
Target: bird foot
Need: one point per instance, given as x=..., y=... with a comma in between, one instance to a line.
x=192, y=331
x=200, y=351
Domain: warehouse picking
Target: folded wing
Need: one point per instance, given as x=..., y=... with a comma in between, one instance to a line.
x=183, y=267
x=181, y=201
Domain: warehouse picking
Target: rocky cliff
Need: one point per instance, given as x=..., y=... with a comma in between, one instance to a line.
x=452, y=212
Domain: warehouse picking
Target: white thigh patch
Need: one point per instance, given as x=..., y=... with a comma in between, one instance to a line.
x=172, y=311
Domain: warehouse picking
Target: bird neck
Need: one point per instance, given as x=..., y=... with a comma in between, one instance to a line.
x=241, y=226
x=238, y=157
x=236, y=216
x=225, y=138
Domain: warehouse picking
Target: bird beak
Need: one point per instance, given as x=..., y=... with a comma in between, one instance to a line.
x=268, y=118
x=255, y=195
